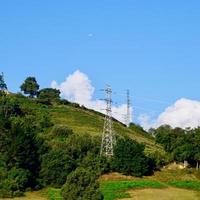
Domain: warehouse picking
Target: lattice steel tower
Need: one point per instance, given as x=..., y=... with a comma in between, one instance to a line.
x=128, y=114
x=108, y=137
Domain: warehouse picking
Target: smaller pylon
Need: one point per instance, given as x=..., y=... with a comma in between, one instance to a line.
x=128, y=114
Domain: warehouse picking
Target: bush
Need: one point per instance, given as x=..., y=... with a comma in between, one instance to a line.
x=19, y=178
x=81, y=184
x=65, y=102
x=49, y=96
x=55, y=167
x=61, y=131
x=129, y=158
x=14, y=183
x=160, y=159
x=100, y=165
x=65, y=156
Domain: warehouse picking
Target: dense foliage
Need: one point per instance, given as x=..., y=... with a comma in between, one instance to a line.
x=180, y=144
x=65, y=155
x=82, y=184
x=36, y=153
x=48, y=95
x=20, y=145
x=30, y=86
x=129, y=158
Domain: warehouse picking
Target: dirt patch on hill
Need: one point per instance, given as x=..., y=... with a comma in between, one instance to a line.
x=29, y=196
x=164, y=194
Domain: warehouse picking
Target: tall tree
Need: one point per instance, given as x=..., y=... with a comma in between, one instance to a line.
x=3, y=85
x=30, y=86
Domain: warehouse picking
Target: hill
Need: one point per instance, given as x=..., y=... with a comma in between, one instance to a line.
x=86, y=121
x=82, y=120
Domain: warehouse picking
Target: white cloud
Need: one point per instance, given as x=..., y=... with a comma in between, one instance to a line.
x=78, y=88
x=183, y=113
x=145, y=121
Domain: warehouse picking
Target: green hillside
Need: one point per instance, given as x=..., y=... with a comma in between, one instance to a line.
x=43, y=143
x=85, y=121
x=82, y=120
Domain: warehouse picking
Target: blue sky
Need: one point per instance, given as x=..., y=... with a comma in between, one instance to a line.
x=151, y=47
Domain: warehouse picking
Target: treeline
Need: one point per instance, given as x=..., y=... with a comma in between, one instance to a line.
x=180, y=144
x=35, y=153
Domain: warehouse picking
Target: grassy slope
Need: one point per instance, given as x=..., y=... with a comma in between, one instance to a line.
x=85, y=121
x=82, y=120
x=173, y=184
x=115, y=186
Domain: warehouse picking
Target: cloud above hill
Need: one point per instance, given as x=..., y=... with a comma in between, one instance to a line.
x=78, y=88
x=183, y=113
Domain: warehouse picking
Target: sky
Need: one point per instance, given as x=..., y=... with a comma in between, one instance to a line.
x=151, y=48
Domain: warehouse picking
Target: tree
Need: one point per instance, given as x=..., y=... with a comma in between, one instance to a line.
x=197, y=146
x=3, y=85
x=30, y=86
x=81, y=184
x=49, y=95
x=66, y=154
x=20, y=147
x=165, y=137
x=9, y=107
x=185, y=152
x=129, y=158
x=56, y=166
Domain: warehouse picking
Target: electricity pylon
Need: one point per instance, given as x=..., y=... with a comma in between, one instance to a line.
x=128, y=114
x=108, y=137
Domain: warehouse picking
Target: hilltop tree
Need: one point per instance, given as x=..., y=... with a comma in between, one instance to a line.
x=49, y=95
x=3, y=85
x=30, y=86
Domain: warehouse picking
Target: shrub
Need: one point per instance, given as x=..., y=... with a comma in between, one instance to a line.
x=14, y=182
x=65, y=156
x=49, y=95
x=100, y=165
x=55, y=167
x=81, y=184
x=129, y=158
x=61, y=131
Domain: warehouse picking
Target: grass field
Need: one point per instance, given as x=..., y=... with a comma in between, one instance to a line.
x=132, y=190
x=144, y=189
x=84, y=121
x=164, y=194
x=30, y=196
x=175, y=182
x=117, y=189
x=168, y=184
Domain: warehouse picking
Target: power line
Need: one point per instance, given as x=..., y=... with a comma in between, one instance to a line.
x=143, y=98
x=152, y=100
